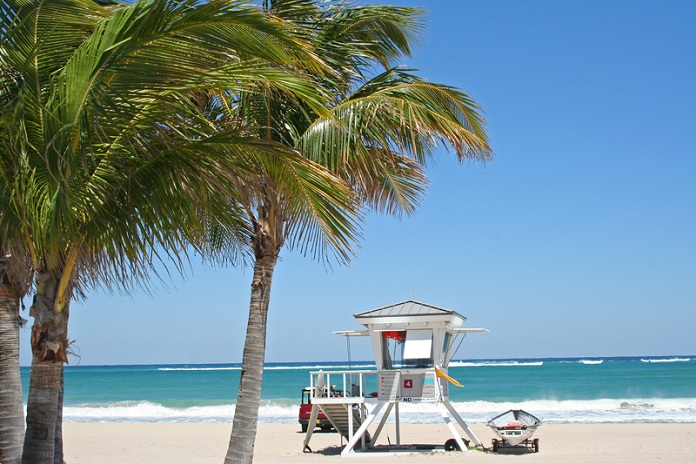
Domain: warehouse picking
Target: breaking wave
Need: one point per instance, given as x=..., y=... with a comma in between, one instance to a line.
x=666, y=360
x=677, y=410
x=271, y=367
x=495, y=363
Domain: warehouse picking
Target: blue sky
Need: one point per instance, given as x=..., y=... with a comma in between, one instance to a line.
x=577, y=240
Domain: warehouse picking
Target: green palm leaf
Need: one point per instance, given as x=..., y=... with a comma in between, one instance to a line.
x=110, y=163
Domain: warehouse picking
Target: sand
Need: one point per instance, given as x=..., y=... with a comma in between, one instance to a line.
x=135, y=443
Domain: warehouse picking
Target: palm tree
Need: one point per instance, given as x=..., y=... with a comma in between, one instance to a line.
x=378, y=136
x=109, y=161
x=11, y=401
x=15, y=280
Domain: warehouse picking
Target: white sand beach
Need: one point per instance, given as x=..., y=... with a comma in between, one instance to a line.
x=195, y=443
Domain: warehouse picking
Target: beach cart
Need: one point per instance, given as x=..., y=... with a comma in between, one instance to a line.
x=515, y=428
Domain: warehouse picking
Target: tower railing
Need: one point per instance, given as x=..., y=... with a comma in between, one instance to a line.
x=356, y=386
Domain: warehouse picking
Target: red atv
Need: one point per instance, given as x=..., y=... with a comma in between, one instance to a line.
x=306, y=411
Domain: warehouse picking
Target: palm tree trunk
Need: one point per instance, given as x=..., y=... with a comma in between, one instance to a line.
x=49, y=341
x=42, y=412
x=11, y=402
x=244, y=425
x=58, y=438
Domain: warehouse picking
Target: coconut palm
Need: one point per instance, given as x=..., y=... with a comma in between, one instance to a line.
x=15, y=280
x=11, y=408
x=11, y=400
x=110, y=163
x=381, y=129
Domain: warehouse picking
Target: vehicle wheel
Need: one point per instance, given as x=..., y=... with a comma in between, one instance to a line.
x=495, y=445
x=304, y=428
x=536, y=445
x=452, y=445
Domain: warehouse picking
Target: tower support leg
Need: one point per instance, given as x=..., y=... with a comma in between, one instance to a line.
x=462, y=424
x=450, y=425
x=361, y=430
x=381, y=423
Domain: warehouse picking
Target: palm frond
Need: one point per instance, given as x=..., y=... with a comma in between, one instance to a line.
x=361, y=35
x=107, y=151
x=390, y=128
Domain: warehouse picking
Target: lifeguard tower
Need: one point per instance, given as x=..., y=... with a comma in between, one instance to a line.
x=413, y=343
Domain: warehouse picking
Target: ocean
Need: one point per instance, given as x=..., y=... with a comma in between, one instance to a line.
x=565, y=390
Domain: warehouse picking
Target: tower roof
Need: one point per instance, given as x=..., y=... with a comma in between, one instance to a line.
x=408, y=308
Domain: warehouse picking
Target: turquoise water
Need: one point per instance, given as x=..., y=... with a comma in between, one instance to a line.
x=558, y=390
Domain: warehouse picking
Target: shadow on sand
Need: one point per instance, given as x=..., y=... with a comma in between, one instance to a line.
x=512, y=450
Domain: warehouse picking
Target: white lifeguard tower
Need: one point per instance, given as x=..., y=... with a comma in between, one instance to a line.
x=413, y=343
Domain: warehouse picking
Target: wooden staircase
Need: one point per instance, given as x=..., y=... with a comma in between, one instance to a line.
x=337, y=413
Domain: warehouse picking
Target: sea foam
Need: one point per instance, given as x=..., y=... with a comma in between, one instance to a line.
x=666, y=360
x=495, y=363
x=680, y=410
